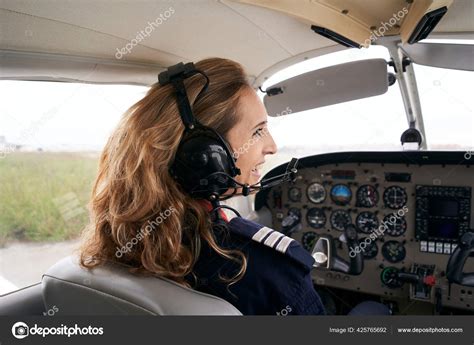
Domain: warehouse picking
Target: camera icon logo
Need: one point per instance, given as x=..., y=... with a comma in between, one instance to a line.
x=20, y=330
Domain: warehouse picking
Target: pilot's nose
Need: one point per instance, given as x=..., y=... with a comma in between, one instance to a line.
x=270, y=147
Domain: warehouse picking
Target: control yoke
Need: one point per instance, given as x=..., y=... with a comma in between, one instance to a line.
x=454, y=269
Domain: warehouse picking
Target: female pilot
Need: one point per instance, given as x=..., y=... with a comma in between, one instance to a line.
x=141, y=216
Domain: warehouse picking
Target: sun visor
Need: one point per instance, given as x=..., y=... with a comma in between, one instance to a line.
x=443, y=55
x=53, y=67
x=326, y=86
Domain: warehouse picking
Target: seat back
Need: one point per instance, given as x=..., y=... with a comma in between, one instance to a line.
x=23, y=302
x=112, y=290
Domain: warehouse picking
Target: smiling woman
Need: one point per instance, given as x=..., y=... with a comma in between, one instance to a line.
x=258, y=270
x=134, y=182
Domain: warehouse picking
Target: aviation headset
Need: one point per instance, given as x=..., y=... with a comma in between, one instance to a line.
x=204, y=164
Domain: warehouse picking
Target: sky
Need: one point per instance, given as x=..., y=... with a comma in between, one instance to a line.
x=63, y=116
x=80, y=117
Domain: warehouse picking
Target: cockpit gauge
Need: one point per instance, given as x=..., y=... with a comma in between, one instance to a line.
x=316, y=217
x=367, y=196
x=339, y=219
x=395, y=197
x=316, y=193
x=393, y=251
x=389, y=277
x=294, y=194
x=341, y=194
x=396, y=226
x=308, y=240
x=367, y=222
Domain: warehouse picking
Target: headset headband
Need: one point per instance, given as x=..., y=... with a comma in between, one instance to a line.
x=176, y=75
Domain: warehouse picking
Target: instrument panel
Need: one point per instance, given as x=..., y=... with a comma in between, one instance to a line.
x=409, y=208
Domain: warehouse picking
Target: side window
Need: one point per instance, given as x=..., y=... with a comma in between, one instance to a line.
x=447, y=105
x=51, y=135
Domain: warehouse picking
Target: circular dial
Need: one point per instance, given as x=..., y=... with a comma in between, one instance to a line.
x=395, y=197
x=339, y=219
x=316, y=217
x=370, y=251
x=316, y=193
x=393, y=251
x=367, y=196
x=389, y=277
x=308, y=240
x=396, y=226
x=341, y=194
x=367, y=222
x=294, y=194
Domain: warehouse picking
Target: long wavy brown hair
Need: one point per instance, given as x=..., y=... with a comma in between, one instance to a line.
x=140, y=216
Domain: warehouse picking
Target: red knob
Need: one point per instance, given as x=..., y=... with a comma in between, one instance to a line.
x=429, y=280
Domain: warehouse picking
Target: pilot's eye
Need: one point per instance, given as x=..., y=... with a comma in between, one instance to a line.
x=258, y=132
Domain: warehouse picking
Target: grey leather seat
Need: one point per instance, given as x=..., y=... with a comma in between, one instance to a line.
x=112, y=290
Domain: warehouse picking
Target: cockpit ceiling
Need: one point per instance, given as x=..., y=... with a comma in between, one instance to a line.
x=259, y=35
x=360, y=20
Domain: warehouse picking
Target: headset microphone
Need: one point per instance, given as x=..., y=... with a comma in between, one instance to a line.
x=288, y=176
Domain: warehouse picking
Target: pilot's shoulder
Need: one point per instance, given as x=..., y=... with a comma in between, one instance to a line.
x=271, y=238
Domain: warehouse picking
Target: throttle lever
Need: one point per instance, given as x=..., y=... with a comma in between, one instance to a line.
x=325, y=253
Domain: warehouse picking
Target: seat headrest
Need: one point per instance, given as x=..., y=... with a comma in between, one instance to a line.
x=112, y=290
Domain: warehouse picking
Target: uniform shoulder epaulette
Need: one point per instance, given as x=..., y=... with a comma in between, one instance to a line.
x=271, y=238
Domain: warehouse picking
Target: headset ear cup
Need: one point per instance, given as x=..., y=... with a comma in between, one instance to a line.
x=234, y=171
x=203, y=164
x=199, y=160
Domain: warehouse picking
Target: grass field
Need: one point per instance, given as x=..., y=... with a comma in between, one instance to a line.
x=43, y=196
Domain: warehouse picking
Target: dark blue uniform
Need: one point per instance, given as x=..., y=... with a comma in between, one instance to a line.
x=277, y=280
